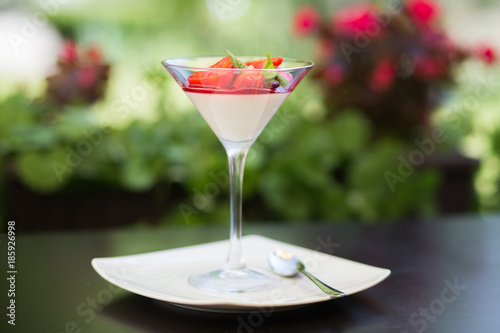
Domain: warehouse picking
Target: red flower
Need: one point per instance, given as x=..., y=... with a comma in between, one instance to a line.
x=382, y=76
x=86, y=77
x=306, y=20
x=430, y=68
x=334, y=74
x=69, y=53
x=93, y=54
x=352, y=19
x=325, y=48
x=486, y=54
x=81, y=76
x=423, y=11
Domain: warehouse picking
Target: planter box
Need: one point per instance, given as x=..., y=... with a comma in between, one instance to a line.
x=97, y=206
x=455, y=194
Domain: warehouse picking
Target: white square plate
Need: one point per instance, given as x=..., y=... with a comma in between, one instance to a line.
x=164, y=275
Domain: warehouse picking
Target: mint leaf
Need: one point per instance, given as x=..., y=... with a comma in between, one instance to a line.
x=274, y=76
x=269, y=63
x=269, y=76
x=282, y=81
x=236, y=63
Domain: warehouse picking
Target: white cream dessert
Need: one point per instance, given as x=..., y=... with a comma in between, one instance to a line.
x=237, y=117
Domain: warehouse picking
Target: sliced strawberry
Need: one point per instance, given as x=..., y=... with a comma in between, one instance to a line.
x=249, y=80
x=287, y=76
x=223, y=63
x=258, y=64
x=211, y=79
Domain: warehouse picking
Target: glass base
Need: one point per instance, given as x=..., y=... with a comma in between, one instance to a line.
x=234, y=281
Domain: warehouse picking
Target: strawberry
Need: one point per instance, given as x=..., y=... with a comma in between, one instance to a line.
x=211, y=79
x=221, y=79
x=249, y=80
x=223, y=63
x=287, y=76
x=268, y=75
x=258, y=64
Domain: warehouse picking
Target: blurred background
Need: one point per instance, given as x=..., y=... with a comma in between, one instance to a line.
x=398, y=120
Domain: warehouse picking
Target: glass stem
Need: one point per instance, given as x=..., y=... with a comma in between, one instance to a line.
x=236, y=153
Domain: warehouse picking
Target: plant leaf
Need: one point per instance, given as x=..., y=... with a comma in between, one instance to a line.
x=236, y=63
x=282, y=81
x=269, y=63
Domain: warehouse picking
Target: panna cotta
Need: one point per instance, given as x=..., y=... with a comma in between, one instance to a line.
x=237, y=117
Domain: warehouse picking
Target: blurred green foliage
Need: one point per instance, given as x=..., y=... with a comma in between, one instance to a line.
x=305, y=166
x=471, y=119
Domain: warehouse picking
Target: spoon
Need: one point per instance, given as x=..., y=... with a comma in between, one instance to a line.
x=286, y=264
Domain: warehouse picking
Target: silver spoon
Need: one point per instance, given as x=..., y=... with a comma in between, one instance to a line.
x=286, y=264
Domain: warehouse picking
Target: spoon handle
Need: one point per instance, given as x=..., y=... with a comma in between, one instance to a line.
x=326, y=288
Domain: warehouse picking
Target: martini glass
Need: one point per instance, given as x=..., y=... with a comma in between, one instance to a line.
x=237, y=114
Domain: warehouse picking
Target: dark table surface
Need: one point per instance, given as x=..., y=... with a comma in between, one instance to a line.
x=445, y=278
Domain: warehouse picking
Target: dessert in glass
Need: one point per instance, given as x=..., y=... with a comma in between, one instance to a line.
x=237, y=96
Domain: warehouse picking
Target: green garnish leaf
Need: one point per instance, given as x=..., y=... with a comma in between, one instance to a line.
x=236, y=63
x=273, y=75
x=269, y=76
x=269, y=63
x=282, y=81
